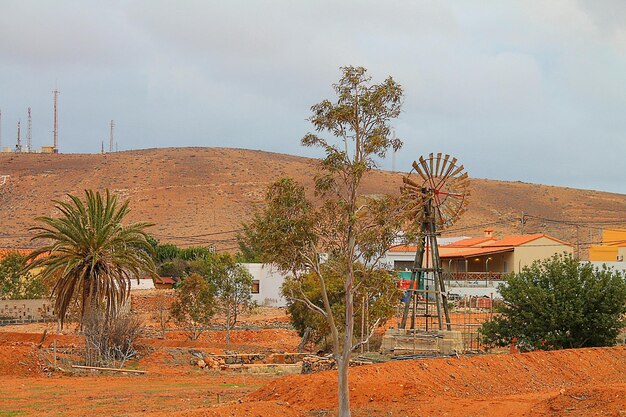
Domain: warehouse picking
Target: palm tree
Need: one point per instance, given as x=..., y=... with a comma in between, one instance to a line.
x=91, y=256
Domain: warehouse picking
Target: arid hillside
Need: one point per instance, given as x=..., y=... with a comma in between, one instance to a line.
x=193, y=195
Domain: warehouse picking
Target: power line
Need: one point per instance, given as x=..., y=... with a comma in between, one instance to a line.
x=202, y=235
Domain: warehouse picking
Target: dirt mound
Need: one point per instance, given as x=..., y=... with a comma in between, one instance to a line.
x=20, y=360
x=465, y=377
x=244, y=340
x=31, y=339
x=603, y=399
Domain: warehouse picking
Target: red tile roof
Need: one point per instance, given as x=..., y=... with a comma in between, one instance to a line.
x=4, y=252
x=470, y=253
x=165, y=280
x=518, y=240
x=468, y=243
x=403, y=248
x=490, y=245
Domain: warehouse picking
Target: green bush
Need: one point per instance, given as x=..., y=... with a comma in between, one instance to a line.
x=559, y=303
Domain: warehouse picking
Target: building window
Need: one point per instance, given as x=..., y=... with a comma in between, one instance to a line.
x=256, y=285
x=403, y=265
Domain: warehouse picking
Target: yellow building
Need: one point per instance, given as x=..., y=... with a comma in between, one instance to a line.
x=613, y=247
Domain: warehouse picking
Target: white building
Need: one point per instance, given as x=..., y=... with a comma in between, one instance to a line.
x=619, y=266
x=141, y=284
x=266, y=283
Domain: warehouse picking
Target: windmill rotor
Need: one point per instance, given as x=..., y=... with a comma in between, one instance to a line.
x=439, y=181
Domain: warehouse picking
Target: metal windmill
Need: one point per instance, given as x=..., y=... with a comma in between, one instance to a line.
x=436, y=190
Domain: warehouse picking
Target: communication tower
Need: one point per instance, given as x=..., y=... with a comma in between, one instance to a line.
x=18, y=145
x=111, y=137
x=29, y=138
x=56, y=121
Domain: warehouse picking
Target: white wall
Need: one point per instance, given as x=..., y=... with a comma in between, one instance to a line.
x=144, y=284
x=618, y=266
x=474, y=288
x=270, y=279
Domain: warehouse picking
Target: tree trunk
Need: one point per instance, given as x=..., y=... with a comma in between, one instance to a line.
x=343, y=362
x=228, y=326
x=304, y=340
x=162, y=324
x=343, y=389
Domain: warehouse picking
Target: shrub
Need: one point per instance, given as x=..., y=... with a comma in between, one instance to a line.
x=559, y=303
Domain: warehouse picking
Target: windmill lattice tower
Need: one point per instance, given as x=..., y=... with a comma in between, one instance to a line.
x=436, y=190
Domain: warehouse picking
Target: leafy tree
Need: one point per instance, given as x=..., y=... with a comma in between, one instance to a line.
x=194, y=305
x=166, y=252
x=348, y=227
x=232, y=284
x=559, y=303
x=376, y=292
x=91, y=256
x=15, y=283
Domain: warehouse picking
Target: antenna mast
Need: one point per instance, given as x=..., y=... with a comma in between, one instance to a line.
x=18, y=145
x=111, y=137
x=29, y=144
x=56, y=121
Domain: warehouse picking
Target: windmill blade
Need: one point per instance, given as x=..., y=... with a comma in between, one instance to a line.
x=447, y=174
x=456, y=171
x=430, y=162
x=445, y=162
x=438, y=164
x=410, y=182
x=417, y=169
x=424, y=165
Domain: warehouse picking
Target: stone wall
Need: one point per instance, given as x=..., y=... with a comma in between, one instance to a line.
x=26, y=310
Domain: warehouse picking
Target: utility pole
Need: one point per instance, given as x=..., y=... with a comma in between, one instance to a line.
x=18, y=145
x=111, y=137
x=523, y=221
x=55, y=132
x=29, y=137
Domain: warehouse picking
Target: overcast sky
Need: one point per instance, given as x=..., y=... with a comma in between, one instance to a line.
x=530, y=91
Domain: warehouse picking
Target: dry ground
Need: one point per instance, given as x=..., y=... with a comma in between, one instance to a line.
x=197, y=191
x=582, y=382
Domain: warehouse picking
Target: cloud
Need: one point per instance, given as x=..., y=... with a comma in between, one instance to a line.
x=523, y=90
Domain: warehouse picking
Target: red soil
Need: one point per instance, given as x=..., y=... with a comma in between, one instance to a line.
x=593, y=380
x=580, y=382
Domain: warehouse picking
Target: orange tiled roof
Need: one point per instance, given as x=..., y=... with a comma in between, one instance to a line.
x=517, y=240
x=477, y=252
x=4, y=252
x=403, y=248
x=506, y=243
x=165, y=280
x=468, y=243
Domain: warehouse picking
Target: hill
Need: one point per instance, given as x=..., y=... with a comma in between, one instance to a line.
x=193, y=195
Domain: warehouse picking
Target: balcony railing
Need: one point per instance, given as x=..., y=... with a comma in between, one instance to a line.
x=474, y=276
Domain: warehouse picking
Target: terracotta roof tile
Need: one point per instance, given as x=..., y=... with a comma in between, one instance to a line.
x=165, y=280
x=468, y=243
x=403, y=248
x=4, y=252
x=517, y=240
x=477, y=252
